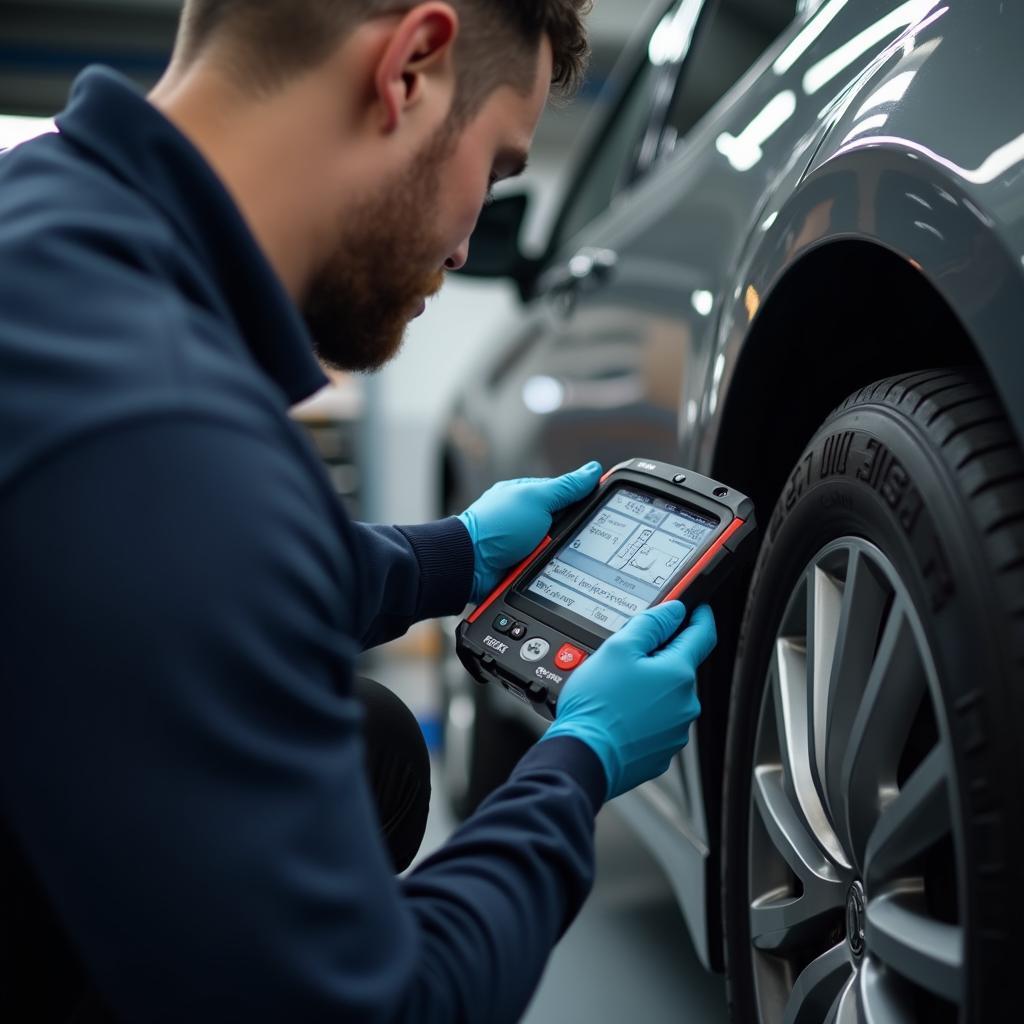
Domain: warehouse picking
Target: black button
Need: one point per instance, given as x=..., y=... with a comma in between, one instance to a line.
x=503, y=623
x=536, y=692
x=679, y=478
x=518, y=631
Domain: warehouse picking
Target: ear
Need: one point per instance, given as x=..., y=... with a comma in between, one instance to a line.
x=418, y=52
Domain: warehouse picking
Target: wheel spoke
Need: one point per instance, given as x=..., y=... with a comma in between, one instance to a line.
x=787, y=674
x=789, y=679
x=787, y=829
x=912, y=822
x=879, y=731
x=781, y=923
x=824, y=611
x=864, y=599
x=779, y=920
x=852, y=824
x=844, y=1009
x=883, y=997
x=925, y=951
x=817, y=987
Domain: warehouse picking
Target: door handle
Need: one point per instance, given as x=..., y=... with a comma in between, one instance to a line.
x=589, y=269
x=593, y=266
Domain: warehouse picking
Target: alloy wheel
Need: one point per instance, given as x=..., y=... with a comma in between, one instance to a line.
x=855, y=849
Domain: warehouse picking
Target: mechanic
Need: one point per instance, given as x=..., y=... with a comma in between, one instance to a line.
x=193, y=828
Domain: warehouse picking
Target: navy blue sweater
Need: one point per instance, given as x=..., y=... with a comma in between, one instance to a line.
x=182, y=794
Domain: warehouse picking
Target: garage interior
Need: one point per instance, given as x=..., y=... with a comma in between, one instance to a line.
x=628, y=955
x=775, y=242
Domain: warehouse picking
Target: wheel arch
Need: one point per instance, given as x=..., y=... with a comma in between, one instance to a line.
x=883, y=315
x=874, y=251
x=788, y=378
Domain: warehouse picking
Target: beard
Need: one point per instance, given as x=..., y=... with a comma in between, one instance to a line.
x=362, y=300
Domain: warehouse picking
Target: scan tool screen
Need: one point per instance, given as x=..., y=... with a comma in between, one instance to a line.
x=632, y=550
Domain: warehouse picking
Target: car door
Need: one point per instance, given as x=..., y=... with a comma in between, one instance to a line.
x=644, y=274
x=638, y=287
x=569, y=389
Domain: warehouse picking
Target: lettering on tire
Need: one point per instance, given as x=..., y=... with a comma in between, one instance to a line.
x=861, y=458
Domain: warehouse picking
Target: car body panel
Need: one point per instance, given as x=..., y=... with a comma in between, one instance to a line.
x=856, y=125
x=905, y=163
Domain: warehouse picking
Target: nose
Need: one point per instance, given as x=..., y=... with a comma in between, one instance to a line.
x=458, y=259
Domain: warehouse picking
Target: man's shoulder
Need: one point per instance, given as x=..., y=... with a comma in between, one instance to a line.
x=101, y=308
x=54, y=198
x=82, y=254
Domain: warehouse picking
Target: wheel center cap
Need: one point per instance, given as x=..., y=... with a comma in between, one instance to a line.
x=855, y=902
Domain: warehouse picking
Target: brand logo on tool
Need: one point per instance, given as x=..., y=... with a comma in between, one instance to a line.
x=501, y=648
x=647, y=465
x=548, y=676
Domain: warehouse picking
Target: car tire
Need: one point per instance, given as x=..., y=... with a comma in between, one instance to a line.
x=872, y=825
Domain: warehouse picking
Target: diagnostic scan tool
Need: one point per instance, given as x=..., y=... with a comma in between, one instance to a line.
x=650, y=533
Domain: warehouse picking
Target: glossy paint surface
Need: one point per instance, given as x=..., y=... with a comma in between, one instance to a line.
x=893, y=125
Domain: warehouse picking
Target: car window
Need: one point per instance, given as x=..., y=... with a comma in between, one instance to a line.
x=731, y=36
x=608, y=171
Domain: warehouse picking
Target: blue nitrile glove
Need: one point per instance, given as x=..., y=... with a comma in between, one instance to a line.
x=632, y=707
x=507, y=522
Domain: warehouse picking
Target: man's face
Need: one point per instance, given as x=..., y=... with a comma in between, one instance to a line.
x=393, y=254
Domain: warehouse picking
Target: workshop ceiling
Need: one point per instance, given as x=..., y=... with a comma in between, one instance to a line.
x=45, y=43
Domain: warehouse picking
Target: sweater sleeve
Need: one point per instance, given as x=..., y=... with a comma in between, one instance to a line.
x=181, y=760
x=410, y=573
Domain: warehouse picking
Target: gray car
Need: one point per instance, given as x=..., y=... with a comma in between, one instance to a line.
x=792, y=258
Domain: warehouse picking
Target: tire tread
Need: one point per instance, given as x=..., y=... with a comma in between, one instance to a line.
x=988, y=449
x=988, y=465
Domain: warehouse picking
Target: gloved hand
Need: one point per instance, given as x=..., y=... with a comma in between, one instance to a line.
x=631, y=703
x=513, y=517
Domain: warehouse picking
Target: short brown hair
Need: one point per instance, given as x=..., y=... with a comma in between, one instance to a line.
x=498, y=40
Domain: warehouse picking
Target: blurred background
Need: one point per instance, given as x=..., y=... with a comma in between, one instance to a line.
x=740, y=205
x=628, y=954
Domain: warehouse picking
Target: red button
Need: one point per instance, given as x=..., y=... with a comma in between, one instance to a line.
x=568, y=657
